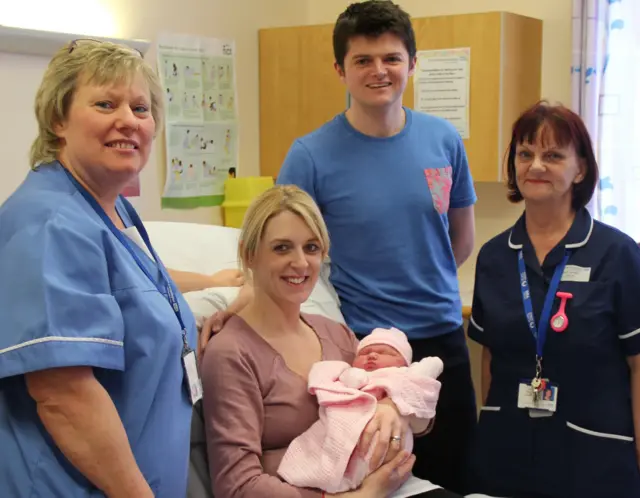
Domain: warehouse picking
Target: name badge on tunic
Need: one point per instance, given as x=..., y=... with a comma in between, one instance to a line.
x=194, y=384
x=573, y=273
x=541, y=402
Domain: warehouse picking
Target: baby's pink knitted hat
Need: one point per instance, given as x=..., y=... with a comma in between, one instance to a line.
x=391, y=337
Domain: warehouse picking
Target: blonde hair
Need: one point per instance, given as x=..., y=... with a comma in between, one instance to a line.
x=85, y=62
x=269, y=204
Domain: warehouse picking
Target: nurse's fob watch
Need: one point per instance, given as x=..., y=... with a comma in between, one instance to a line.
x=559, y=321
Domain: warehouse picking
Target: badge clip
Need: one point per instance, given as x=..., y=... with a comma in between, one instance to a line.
x=559, y=321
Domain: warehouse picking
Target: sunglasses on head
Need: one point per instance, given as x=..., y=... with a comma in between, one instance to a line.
x=75, y=43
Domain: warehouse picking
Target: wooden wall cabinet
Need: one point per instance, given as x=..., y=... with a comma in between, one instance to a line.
x=300, y=90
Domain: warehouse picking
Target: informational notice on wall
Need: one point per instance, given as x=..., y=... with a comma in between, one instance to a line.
x=441, y=85
x=199, y=86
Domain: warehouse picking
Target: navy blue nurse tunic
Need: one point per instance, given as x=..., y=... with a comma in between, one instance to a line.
x=587, y=448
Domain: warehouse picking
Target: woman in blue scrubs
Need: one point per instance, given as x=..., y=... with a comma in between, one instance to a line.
x=556, y=310
x=96, y=344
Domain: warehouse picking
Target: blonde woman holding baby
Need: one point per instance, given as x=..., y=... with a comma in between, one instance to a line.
x=255, y=371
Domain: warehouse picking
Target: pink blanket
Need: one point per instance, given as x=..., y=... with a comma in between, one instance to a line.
x=323, y=456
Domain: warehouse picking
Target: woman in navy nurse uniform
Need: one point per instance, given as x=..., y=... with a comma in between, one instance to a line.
x=96, y=344
x=556, y=309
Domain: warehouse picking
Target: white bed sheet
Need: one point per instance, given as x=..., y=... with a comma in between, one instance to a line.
x=415, y=486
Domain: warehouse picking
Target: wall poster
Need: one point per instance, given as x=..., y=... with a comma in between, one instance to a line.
x=201, y=133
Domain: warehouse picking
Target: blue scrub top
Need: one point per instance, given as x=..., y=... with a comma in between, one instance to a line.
x=587, y=448
x=72, y=295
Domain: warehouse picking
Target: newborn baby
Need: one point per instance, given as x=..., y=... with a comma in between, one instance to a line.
x=382, y=349
x=323, y=457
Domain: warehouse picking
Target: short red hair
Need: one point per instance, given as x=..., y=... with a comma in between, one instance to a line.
x=565, y=128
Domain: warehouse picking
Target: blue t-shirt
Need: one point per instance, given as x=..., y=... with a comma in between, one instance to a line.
x=72, y=295
x=385, y=202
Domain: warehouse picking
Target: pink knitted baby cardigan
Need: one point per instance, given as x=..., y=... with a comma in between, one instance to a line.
x=323, y=456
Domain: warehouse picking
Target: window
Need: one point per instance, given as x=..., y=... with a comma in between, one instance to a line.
x=618, y=143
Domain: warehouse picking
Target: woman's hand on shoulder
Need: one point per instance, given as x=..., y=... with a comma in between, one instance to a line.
x=386, y=480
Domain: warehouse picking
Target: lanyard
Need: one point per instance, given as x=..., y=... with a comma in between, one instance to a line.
x=163, y=287
x=540, y=332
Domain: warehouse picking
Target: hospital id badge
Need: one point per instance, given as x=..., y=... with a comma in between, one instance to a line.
x=540, y=404
x=192, y=379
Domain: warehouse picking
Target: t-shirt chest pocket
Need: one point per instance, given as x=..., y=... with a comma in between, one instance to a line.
x=440, y=181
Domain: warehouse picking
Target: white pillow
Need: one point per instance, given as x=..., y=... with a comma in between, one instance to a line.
x=194, y=247
x=206, y=302
x=210, y=248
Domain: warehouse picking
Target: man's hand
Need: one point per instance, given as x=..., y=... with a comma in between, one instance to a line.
x=211, y=326
x=215, y=322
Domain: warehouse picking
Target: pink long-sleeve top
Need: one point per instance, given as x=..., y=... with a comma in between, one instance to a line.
x=254, y=406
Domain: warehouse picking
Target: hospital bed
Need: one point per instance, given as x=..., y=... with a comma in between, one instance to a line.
x=207, y=249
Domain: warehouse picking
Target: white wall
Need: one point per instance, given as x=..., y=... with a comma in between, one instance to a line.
x=19, y=80
x=237, y=19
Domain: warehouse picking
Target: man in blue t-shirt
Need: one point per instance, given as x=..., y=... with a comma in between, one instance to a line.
x=396, y=193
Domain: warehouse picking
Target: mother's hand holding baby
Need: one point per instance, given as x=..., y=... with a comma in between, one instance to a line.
x=387, y=429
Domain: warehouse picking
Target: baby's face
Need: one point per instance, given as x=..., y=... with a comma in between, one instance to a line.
x=378, y=356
